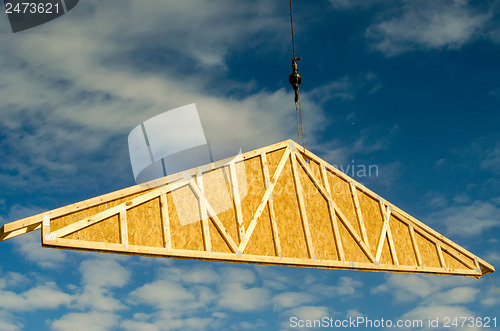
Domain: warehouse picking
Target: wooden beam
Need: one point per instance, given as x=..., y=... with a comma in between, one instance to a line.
x=203, y=214
x=333, y=217
x=386, y=215
x=274, y=226
x=231, y=257
x=302, y=207
x=415, y=246
x=8, y=235
x=359, y=215
x=165, y=221
x=236, y=200
x=441, y=257
x=123, y=227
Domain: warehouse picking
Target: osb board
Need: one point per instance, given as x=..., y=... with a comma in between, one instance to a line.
x=467, y=260
x=313, y=166
x=318, y=218
x=352, y=251
x=251, y=199
x=189, y=236
x=402, y=242
x=286, y=207
x=428, y=251
x=144, y=224
x=341, y=193
x=273, y=159
x=217, y=189
x=104, y=231
x=262, y=242
x=60, y=222
x=218, y=243
x=372, y=218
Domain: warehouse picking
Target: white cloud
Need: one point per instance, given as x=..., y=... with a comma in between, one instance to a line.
x=491, y=161
x=7, y=325
x=46, y=296
x=493, y=257
x=427, y=25
x=12, y=279
x=98, y=277
x=235, y=296
x=435, y=289
x=196, y=275
x=309, y=312
x=469, y=220
x=85, y=321
x=259, y=324
x=459, y=295
x=492, y=297
x=346, y=88
x=30, y=247
x=346, y=286
x=138, y=326
x=354, y=313
x=291, y=299
x=155, y=293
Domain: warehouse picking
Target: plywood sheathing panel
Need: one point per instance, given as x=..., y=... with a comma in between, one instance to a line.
x=428, y=251
x=217, y=190
x=189, y=236
x=402, y=242
x=314, y=167
x=320, y=225
x=273, y=159
x=457, y=260
x=107, y=230
x=262, y=238
x=286, y=208
x=60, y=222
x=341, y=194
x=144, y=224
x=353, y=253
x=373, y=220
x=217, y=241
x=452, y=263
x=251, y=199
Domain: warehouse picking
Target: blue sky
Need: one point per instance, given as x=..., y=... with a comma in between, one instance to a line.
x=412, y=87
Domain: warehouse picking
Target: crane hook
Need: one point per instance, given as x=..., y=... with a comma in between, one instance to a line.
x=295, y=78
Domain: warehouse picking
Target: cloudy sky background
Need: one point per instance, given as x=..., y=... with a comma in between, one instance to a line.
x=412, y=87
